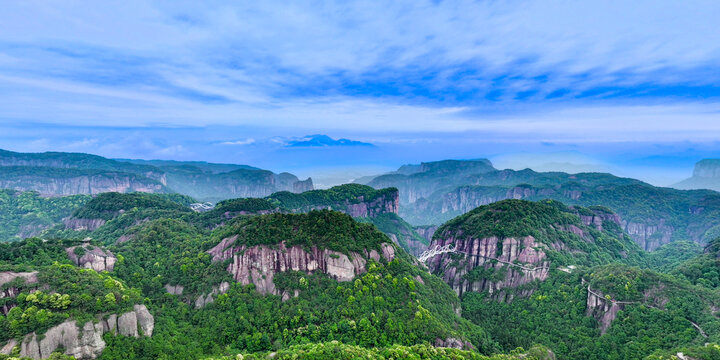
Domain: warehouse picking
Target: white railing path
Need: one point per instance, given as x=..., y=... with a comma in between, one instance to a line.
x=437, y=250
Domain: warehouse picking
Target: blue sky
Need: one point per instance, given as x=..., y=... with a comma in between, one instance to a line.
x=631, y=87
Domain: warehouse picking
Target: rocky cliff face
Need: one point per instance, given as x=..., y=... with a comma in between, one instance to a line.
x=360, y=207
x=80, y=184
x=707, y=168
x=420, y=181
x=596, y=220
x=412, y=246
x=504, y=263
x=85, y=342
x=426, y=232
x=205, y=299
x=649, y=237
x=604, y=310
x=83, y=224
x=259, y=264
x=7, y=277
x=373, y=208
x=77, y=161
x=94, y=258
x=301, y=186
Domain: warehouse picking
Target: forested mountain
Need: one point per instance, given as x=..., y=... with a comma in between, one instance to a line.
x=27, y=214
x=252, y=283
x=562, y=276
x=513, y=243
x=57, y=173
x=652, y=216
x=332, y=273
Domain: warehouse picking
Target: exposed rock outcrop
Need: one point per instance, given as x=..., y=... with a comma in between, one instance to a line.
x=83, y=224
x=453, y=343
x=93, y=257
x=174, y=289
x=706, y=175
x=412, y=245
x=649, y=237
x=596, y=220
x=360, y=206
x=259, y=264
x=602, y=309
x=6, y=277
x=515, y=262
x=649, y=234
x=77, y=182
x=301, y=186
x=85, y=342
x=203, y=300
x=426, y=232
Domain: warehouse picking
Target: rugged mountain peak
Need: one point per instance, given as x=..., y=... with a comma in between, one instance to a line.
x=324, y=241
x=706, y=175
x=707, y=168
x=515, y=242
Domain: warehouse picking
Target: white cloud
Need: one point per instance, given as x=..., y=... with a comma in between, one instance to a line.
x=247, y=141
x=140, y=63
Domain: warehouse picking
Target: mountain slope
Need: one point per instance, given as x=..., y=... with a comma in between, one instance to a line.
x=607, y=312
x=26, y=214
x=514, y=243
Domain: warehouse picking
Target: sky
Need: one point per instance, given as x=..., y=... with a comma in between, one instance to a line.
x=631, y=87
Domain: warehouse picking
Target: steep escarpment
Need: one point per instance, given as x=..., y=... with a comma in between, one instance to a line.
x=614, y=288
x=205, y=185
x=706, y=175
x=513, y=243
x=108, y=217
x=86, y=341
x=57, y=174
x=379, y=207
x=62, y=160
x=47, y=309
x=70, y=181
x=353, y=199
x=258, y=264
x=273, y=276
x=327, y=242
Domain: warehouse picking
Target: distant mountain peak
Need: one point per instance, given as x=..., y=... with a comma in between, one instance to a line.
x=320, y=140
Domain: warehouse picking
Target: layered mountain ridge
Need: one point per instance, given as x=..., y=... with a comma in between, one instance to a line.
x=651, y=215
x=59, y=174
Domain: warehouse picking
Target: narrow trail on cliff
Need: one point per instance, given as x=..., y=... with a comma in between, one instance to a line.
x=613, y=301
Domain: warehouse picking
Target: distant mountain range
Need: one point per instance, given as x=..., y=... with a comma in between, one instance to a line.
x=432, y=193
x=58, y=173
